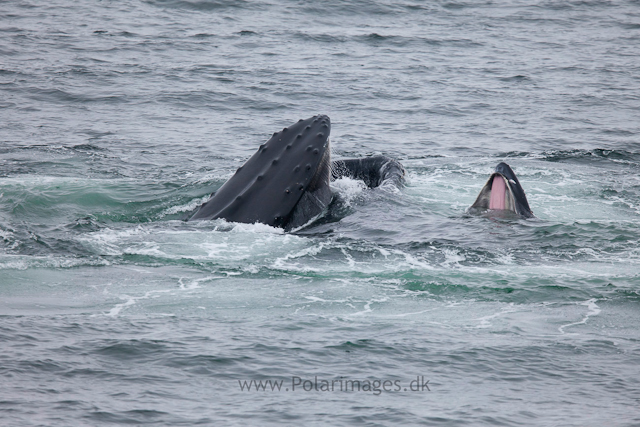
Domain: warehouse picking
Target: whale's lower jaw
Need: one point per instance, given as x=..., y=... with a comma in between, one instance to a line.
x=316, y=197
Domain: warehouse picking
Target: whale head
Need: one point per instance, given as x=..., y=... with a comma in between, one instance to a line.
x=284, y=184
x=503, y=192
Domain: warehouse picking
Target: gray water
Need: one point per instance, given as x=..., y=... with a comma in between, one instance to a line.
x=118, y=118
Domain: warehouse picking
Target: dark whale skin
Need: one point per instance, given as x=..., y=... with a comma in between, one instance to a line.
x=284, y=184
x=515, y=190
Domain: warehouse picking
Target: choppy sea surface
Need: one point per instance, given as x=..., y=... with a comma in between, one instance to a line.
x=118, y=118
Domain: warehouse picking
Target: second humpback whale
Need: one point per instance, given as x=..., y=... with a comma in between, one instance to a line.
x=503, y=192
x=286, y=183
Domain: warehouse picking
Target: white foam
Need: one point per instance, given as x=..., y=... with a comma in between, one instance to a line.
x=131, y=300
x=411, y=261
x=214, y=176
x=24, y=262
x=452, y=256
x=256, y=228
x=350, y=260
x=505, y=258
x=594, y=310
x=194, y=283
x=349, y=189
x=485, y=321
x=192, y=205
x=6, y=234
x=119, y=307
x=414, y=313
x=367, y=306
x=201, y=240
x=283, y=262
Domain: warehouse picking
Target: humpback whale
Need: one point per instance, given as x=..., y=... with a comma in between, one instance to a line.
x=286, y=183
x=503, y=192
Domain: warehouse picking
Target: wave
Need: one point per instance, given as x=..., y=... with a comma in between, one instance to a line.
x=591, y=156
x=203, y=5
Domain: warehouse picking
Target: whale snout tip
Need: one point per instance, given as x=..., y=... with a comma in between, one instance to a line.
x=323, y=119
x=504, y=169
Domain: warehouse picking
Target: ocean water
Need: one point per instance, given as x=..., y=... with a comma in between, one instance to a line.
x=118, y=118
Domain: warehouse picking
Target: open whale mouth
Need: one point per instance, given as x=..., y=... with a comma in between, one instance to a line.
x=497, y=194
x=503, y=193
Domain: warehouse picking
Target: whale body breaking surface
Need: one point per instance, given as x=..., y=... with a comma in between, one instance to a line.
x=286, y=183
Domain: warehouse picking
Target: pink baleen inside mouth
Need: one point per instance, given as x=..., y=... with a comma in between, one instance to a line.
x=498, y=193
